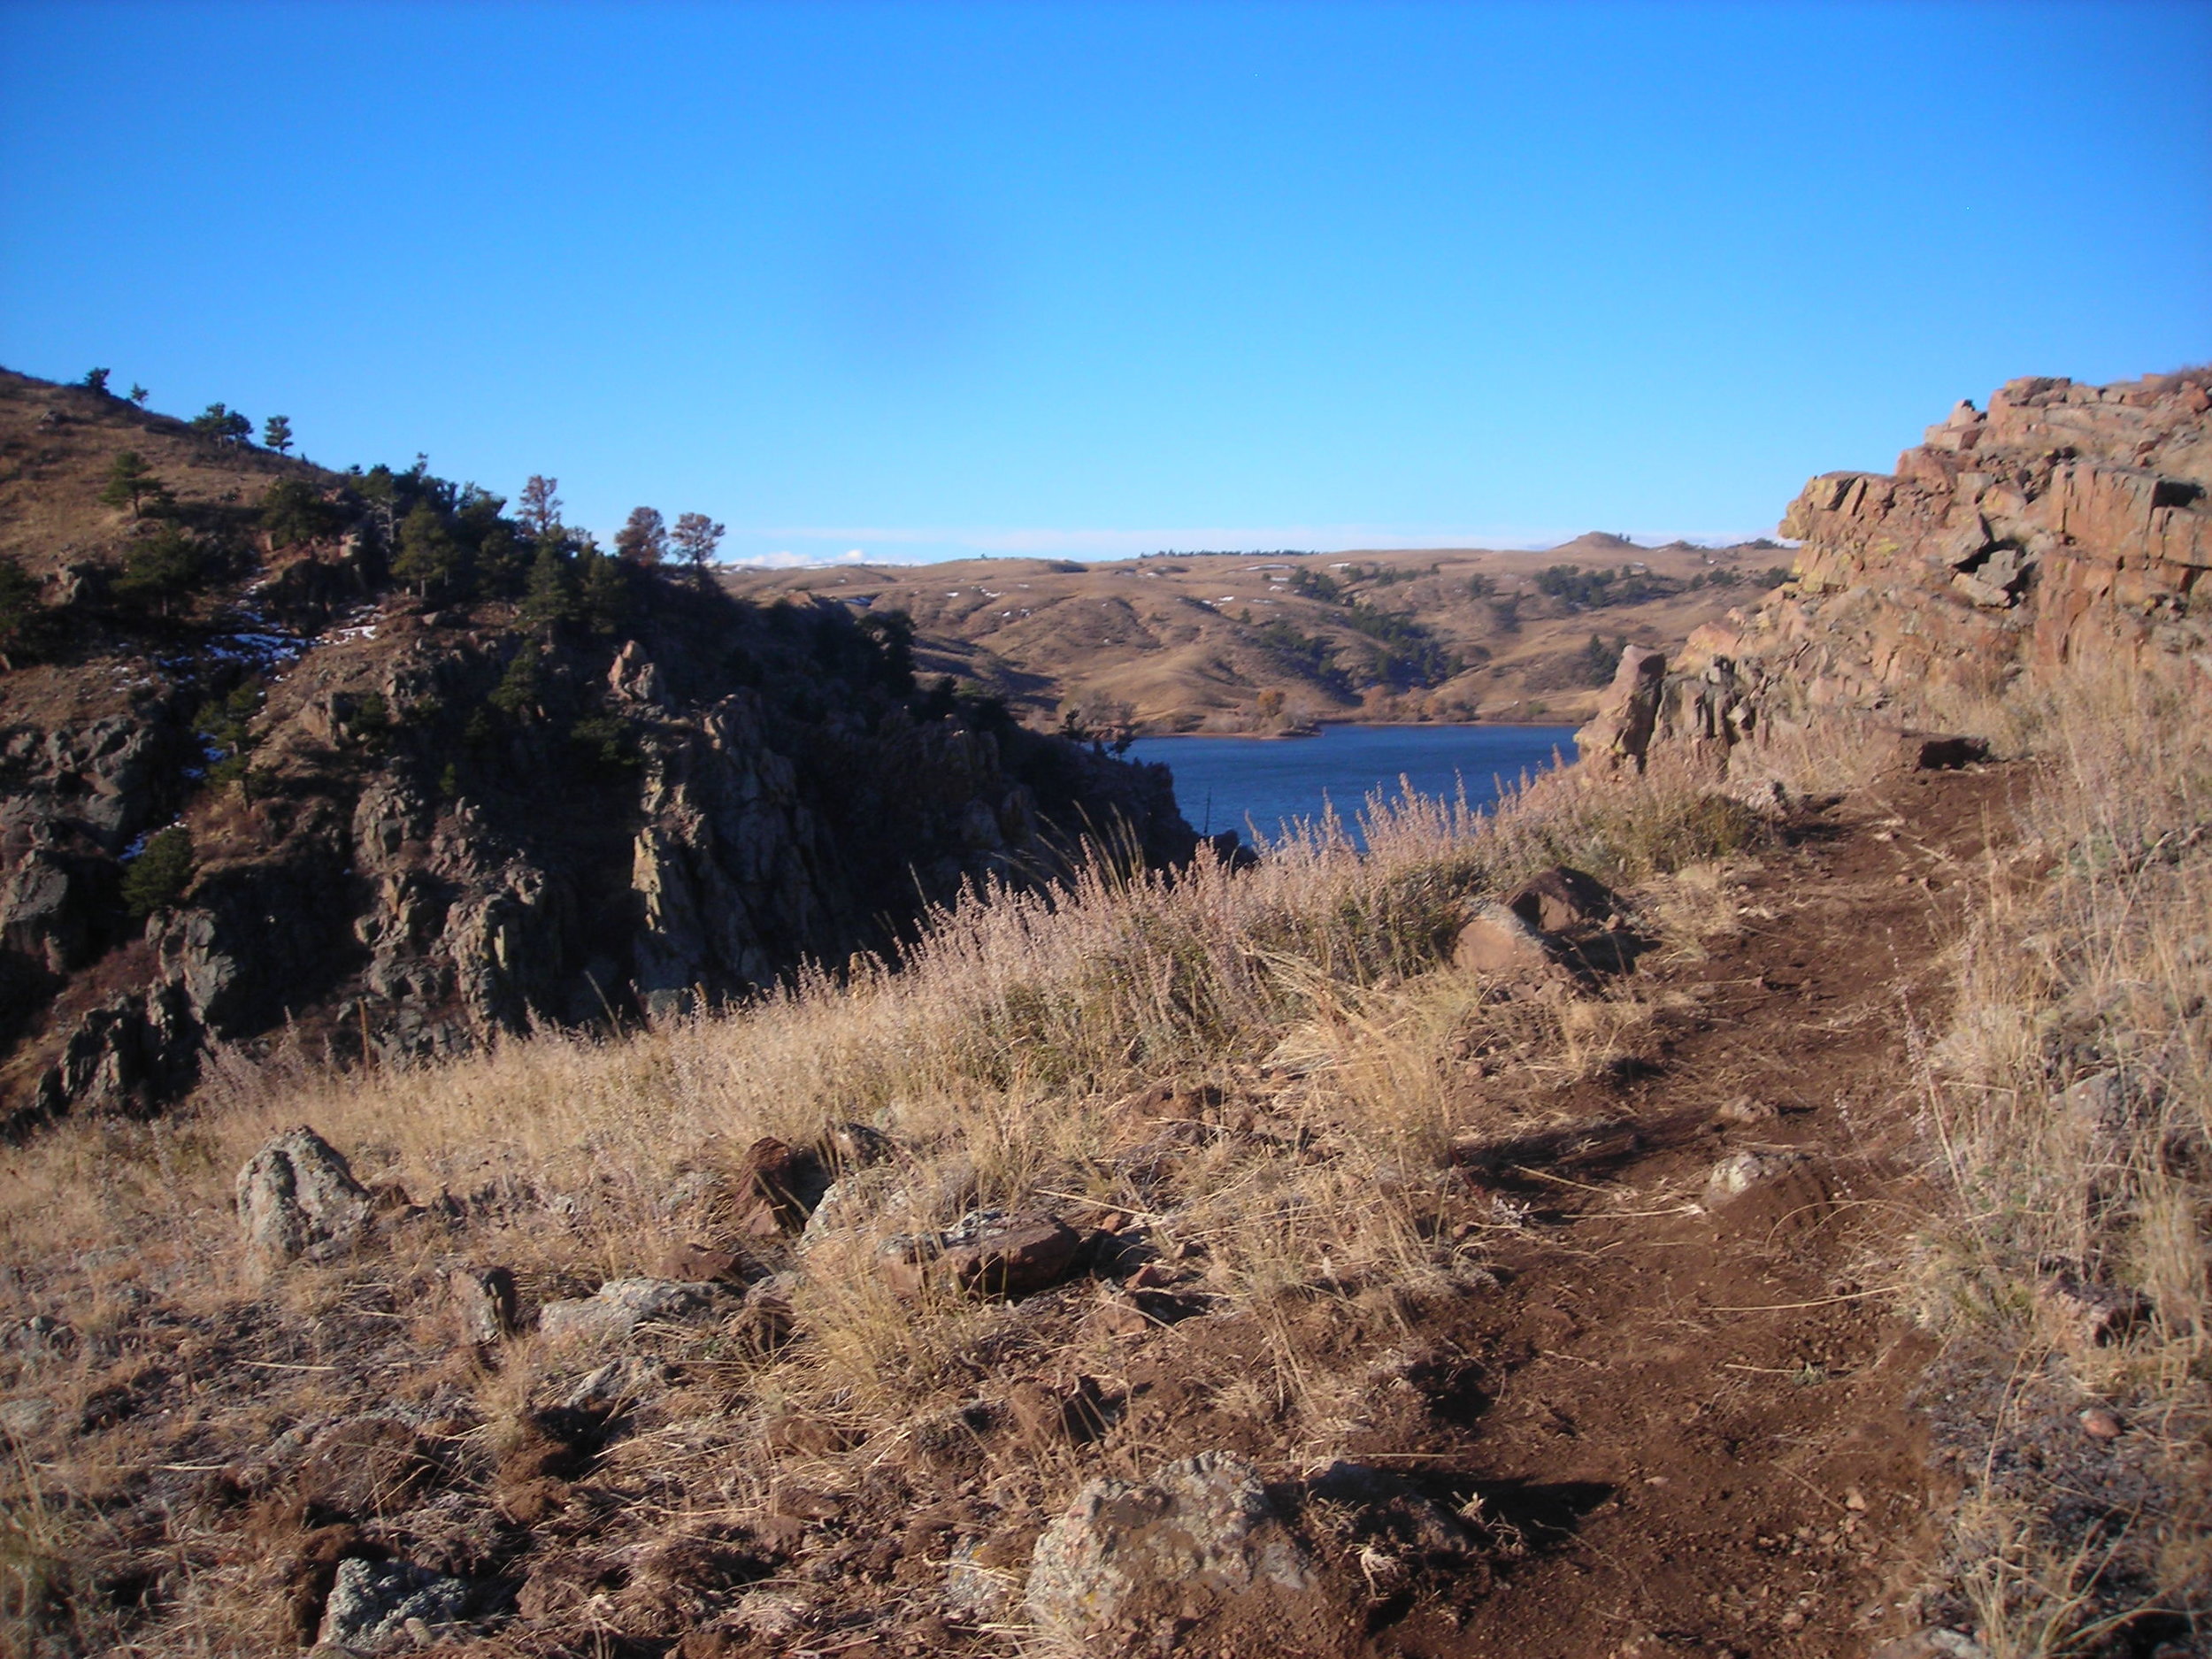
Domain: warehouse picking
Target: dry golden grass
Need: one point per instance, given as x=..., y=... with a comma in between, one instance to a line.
x=2068, y=1109
x=1314, y=994
x=1176, y=640
x=1310, y=990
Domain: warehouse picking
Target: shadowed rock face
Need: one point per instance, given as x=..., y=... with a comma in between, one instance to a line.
x=767, y=789
x=2064, y=520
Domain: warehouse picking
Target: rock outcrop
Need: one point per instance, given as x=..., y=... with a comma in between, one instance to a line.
x=406, y=857
x=2065, y=520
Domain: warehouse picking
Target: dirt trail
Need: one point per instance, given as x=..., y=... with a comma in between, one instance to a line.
x=1704, y=1422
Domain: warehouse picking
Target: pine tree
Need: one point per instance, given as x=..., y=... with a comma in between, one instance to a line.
x=276, y=434
x=158, y=878
x=162, y=568
x=697, y=536
x=131, y=483
x=294, y=511
x=550, y=597
x=96, y=381
x=540, y=513
x=603, y=594
x=139, y=395
x=643, y=539
x=518, y=689
x=224, y=425
x=429, y=555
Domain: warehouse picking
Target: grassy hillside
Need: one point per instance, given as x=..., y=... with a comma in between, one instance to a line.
x=1268, y=643
x=58, y=444
x=1350, y=1202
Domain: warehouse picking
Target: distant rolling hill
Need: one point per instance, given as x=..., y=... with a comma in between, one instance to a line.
x=1275, y=643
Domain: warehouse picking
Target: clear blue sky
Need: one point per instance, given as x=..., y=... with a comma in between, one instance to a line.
x=919, y=280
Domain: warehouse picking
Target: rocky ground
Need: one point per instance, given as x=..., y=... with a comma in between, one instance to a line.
x=1657, y=1401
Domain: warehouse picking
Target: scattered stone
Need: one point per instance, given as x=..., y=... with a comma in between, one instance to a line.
x=850, y=1201
x=372, y=1603
x=1135, y=1313
x=852, y=1146
x=1201, y=1528
x=1559, y=898
x=618, y=1307
x=1743, y=1111
x=1495, y=939
x=975, y=1590
x=780, y=1187
x=1740, y=1172
x=985, y=1253
x=297, y=1197
x=1924, y=752
x=2100, y=1425
x=694, y=1264
x=483, y=1300
x=618, y=1384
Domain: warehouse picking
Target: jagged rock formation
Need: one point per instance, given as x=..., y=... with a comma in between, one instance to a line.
x=413, y=858
x=2064, y=519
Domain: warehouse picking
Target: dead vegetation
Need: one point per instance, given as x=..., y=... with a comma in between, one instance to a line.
x=1308, y=1158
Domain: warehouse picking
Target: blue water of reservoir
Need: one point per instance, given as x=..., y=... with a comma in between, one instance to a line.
x=1258, y=785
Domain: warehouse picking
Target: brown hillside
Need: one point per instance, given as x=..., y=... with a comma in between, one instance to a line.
x=56, y=443
x=1209, y=642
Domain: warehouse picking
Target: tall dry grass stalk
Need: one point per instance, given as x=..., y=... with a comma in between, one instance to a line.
x=1013, y=1017
x=2069, y=1108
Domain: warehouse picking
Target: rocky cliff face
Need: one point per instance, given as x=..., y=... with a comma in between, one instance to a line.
x=427, y=843
x=2063, y=520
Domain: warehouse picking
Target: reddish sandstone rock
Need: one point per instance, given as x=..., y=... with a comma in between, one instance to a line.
x=1559, y=898
x=779, y=1185
x=1621, y=731
x=988, y=1253
x=2065, y=521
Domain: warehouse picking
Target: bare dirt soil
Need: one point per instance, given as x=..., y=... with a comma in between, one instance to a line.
x=1702, y=1425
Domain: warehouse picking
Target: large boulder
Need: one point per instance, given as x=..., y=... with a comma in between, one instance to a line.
x=1620, y=732
x=297, y=1197
x=373, y=1603
x=1560, y=899
x=1494, y=940
x=127, y=1055
x=1200, y=1531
